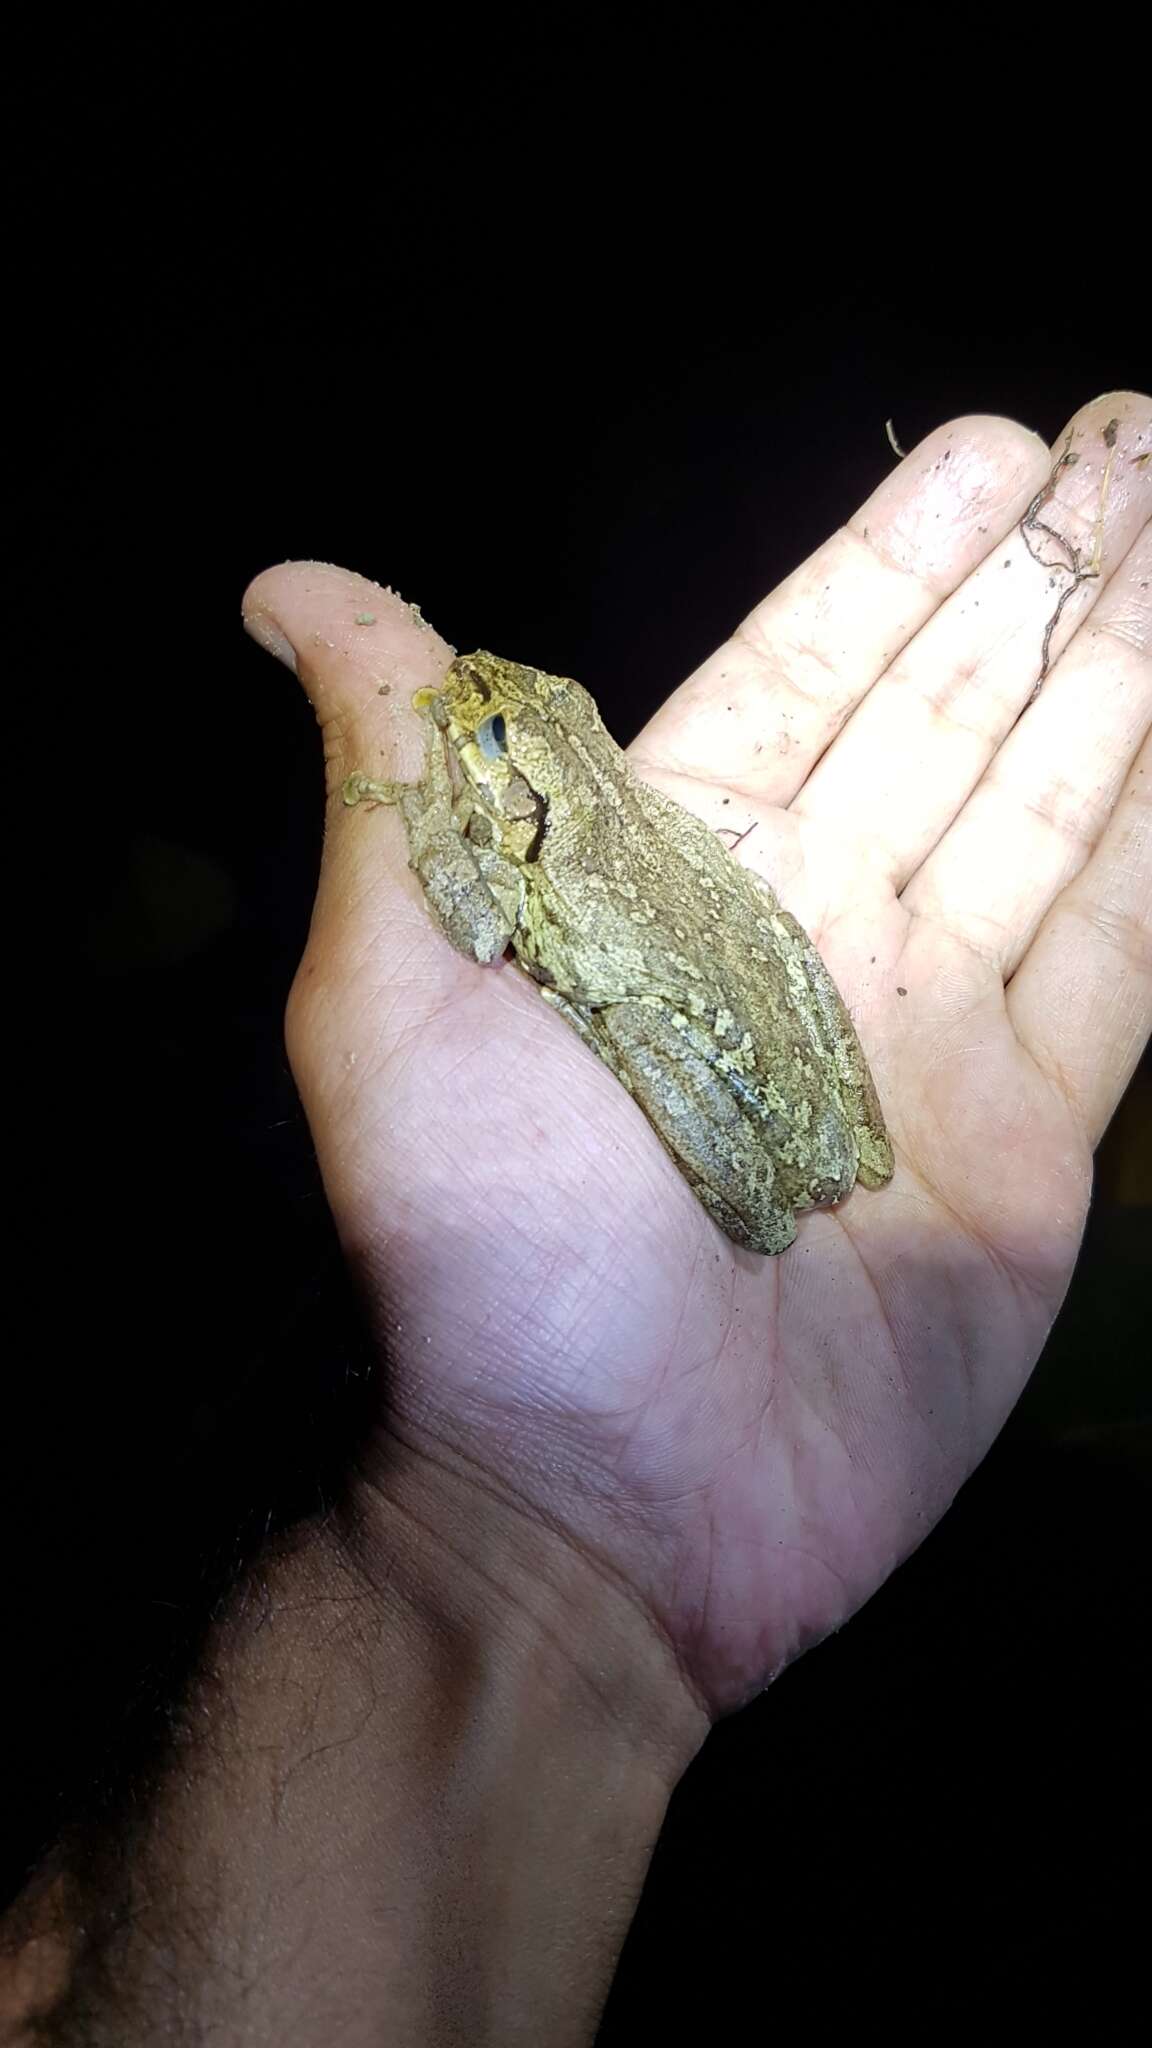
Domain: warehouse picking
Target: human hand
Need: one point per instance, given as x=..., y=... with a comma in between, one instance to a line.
x=747, y=1446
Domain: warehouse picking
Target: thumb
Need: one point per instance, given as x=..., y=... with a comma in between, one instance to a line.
x=360, y=653
x=373, y=956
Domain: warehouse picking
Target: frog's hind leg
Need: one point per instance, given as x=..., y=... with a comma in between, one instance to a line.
x=584, y=1021
x=861, y=1100
x=694, y=1114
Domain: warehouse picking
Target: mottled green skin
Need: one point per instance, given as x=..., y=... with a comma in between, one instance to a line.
x=673, y=962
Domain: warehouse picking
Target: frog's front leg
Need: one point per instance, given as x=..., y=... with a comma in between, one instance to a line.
x=431, y=794
x=360, y=789
x=475, y=893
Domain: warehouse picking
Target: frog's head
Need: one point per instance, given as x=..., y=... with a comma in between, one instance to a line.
x=480, y=687
x=510, y=728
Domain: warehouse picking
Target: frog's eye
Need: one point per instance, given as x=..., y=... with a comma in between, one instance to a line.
x=491, y=738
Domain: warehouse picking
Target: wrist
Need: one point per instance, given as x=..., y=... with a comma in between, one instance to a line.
x=472, y=1580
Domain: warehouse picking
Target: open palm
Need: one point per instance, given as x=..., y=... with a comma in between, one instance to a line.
x=748, y=1445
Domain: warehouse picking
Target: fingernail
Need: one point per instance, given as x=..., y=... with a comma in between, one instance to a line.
x=264, y=629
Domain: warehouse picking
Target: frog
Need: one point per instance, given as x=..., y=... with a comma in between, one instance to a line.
x=532, y=834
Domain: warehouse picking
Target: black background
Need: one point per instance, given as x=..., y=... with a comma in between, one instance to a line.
x=589, y=431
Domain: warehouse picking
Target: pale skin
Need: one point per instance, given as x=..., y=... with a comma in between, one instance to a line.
x=623, y=1472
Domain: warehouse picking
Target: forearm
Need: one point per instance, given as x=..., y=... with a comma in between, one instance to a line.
x=404, y=1802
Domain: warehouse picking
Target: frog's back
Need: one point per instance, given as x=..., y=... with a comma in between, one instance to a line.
x=651, y=903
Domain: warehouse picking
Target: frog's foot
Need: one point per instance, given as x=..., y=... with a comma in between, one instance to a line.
x=361, y=789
